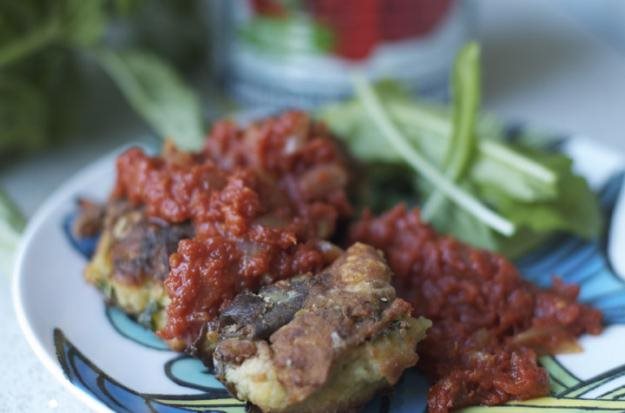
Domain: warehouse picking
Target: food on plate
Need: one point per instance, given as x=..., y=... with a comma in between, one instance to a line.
x=262, y=201
x=342, y=338
x=329, y=340
x=234, y=253
x=131, y=260
x=257, y=204
x=488, y=324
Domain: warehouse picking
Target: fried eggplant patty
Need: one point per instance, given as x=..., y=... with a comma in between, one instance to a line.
x=322, y=343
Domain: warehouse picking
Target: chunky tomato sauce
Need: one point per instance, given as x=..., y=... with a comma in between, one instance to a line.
x=489, y=325
x=262, y=201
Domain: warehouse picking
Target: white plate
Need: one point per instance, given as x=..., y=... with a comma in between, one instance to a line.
x=111, y=363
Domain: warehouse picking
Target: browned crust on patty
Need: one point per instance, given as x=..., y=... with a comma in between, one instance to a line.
x=138, y=246
x=349, y=305
x=334, y=319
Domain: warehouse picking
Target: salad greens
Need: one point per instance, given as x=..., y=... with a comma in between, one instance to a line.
x=459, y=150
x=422, y=165
x=471, y=182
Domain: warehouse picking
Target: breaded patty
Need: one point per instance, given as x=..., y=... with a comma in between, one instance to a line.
x=323, y=343
x=131, y=260
x=313, y=343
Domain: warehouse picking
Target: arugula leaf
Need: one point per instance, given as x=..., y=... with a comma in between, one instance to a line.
x=421, y=165
x=575, y=209
x=11, y=225
x=466, y=101
x=525, y=179
x=489, y=172
x=464, y=226
x=428, y=128
x=156, y=92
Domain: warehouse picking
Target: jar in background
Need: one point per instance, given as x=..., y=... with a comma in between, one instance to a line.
x=301, y=52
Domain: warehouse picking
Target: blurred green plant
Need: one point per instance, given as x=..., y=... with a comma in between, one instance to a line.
x=46, y=46
x=157, y=93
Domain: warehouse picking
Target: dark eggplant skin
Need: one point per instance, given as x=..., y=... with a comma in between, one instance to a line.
x=257, y=316
x=254, y=316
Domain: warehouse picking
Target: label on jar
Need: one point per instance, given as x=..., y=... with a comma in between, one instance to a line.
x=301, y=52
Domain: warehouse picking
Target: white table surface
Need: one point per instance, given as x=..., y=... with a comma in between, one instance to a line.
x=541, y=66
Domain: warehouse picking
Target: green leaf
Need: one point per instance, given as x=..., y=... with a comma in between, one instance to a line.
x=465, y=227
x=421, y=165
x=465, y=106
x=428, y=128
x=156, y=92
x=522, y=177
x=489, y=172
x=466, y=100
x=11, y=226
x=350, y=124
x=575, y=209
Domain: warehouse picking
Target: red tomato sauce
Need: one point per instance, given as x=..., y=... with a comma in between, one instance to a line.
x=262, y=200
x=489, y=325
